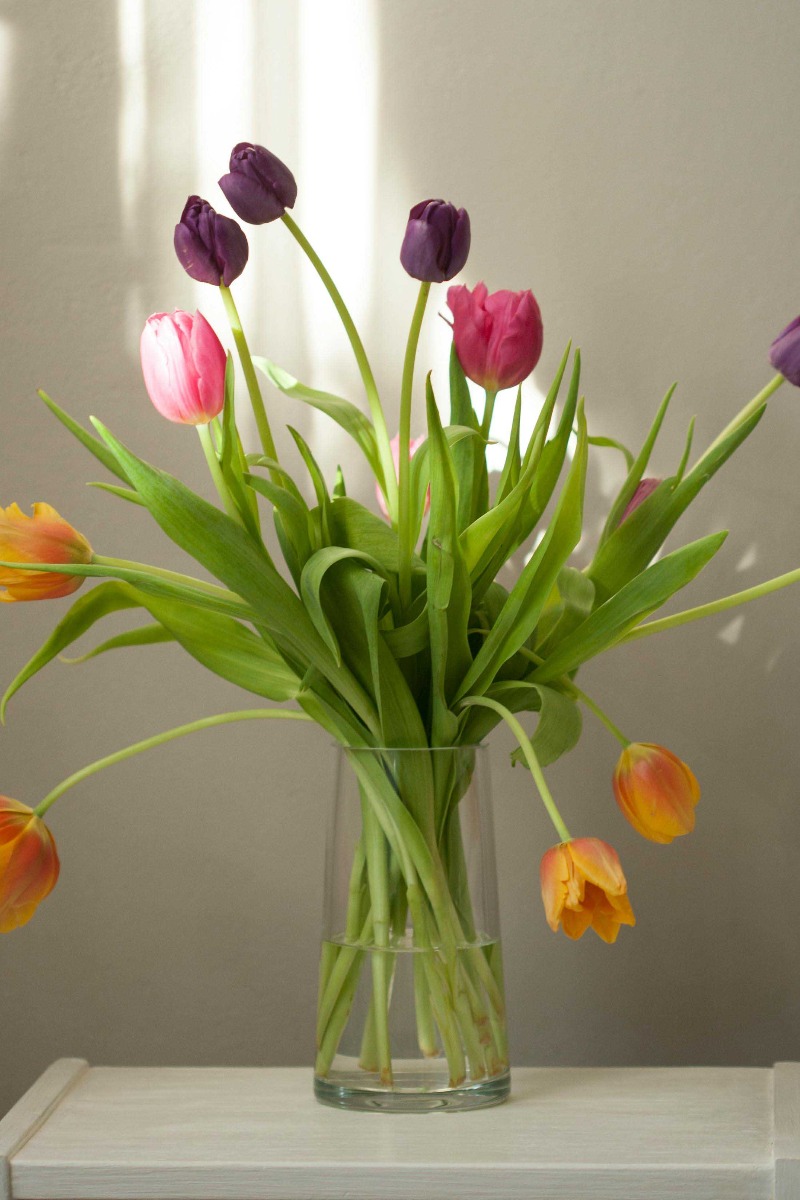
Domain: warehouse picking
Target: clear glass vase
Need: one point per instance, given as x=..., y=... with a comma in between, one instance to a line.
x=411, y=1012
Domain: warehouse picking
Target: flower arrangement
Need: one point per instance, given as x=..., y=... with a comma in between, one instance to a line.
x=390, y=628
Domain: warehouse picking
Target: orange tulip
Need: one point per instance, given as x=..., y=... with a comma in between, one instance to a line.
x=28, y=863
x=656, y=791
x=583, y=885
x=44, y=537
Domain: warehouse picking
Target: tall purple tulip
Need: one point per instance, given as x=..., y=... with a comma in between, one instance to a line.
x=436, y=243
x=210, y=248
x=784, y=353
x=258, y=187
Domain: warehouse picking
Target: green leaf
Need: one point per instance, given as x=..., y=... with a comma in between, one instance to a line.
x=92, y=444
x=494, y=536
x=343, y=412
x=558, y=729
x=568, y=606
x=229, y=553
x=295, y=524
x=354, y=525
x=628, y=606
x=231, y=458
x=611, y=444
x=311, y=584
x=122, y=492
x=469, y=458
x=509, y=476
x=633, y=544
x=636, y=470
x=144, y=635
x=520, y=614
x=83, y=613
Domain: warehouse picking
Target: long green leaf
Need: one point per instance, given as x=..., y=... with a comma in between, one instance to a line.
x=351, y=419
x=633, y=544
x=521, y=612
x=637, y=469
x=143, y=635
x=82, y=614
x=558, y=729
x=229, y=553
x=92, y=444
x=448, y=586
x=314, y=573
x=634, y=601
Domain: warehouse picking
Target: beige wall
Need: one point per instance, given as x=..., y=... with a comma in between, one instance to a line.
x=636, y=165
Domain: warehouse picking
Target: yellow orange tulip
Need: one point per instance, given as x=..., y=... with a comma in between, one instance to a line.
x=656, y=791
x=44, y=537
x=583, y=886
x=29, y=863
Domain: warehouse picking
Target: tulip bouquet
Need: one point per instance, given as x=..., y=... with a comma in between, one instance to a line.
x=390, y=628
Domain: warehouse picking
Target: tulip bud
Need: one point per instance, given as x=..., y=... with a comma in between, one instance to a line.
x=259, y=187
x=44, y=537
x=436, y=243
x=582, y=886
x=656, y=791
x=183, y=363
x=29, y=863
x=643, y=489
x=210, y=248
x=394, y=445
x=498, y=337
x=784, y=353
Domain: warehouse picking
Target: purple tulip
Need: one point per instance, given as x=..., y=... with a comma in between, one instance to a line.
x=259, y=187
x=436, y=243
x=784, y=353
x=643, y=490
x=210, y=248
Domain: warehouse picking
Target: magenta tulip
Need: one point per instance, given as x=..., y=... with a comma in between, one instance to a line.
x=498, y=337
x=643, y=489
x=183, y=363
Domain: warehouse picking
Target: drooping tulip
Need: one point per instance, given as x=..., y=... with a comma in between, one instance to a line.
x=210, y=248
x=258, y=186
x=644, y=488
x=656, y=791
x=498, y=337
x=183, y=363
x=394, y=444
x=29, y=863
x=436, y=242
x=583, y=886
x=47, y=538
x=784, y=353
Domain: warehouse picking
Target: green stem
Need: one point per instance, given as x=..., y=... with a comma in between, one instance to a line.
x=370, y=387
x=742, y=416
x=715, y=606
x=256, y=399
x=530, y=757
x=488, y=410
x=204, y=434
x=600, y=714
x=158, y=740
x=378, y=880
x=406, y=391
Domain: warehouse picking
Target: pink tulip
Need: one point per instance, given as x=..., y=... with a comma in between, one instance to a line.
x=498, y=337
x=413, y=446
x=183, y=363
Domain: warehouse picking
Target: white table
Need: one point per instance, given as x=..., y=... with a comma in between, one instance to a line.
x=130, y=1133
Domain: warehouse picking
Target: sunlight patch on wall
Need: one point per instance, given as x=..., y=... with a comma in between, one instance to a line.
x=6, y=59
x=338, y=90
x=224, y=34
x=131, y=142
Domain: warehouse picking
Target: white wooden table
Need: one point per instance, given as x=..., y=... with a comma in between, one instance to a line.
x=130, y=1133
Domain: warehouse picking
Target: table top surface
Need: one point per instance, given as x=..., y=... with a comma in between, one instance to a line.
x=246, y=1132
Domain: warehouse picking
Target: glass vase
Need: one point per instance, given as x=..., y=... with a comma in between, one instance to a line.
x=411, y=1011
